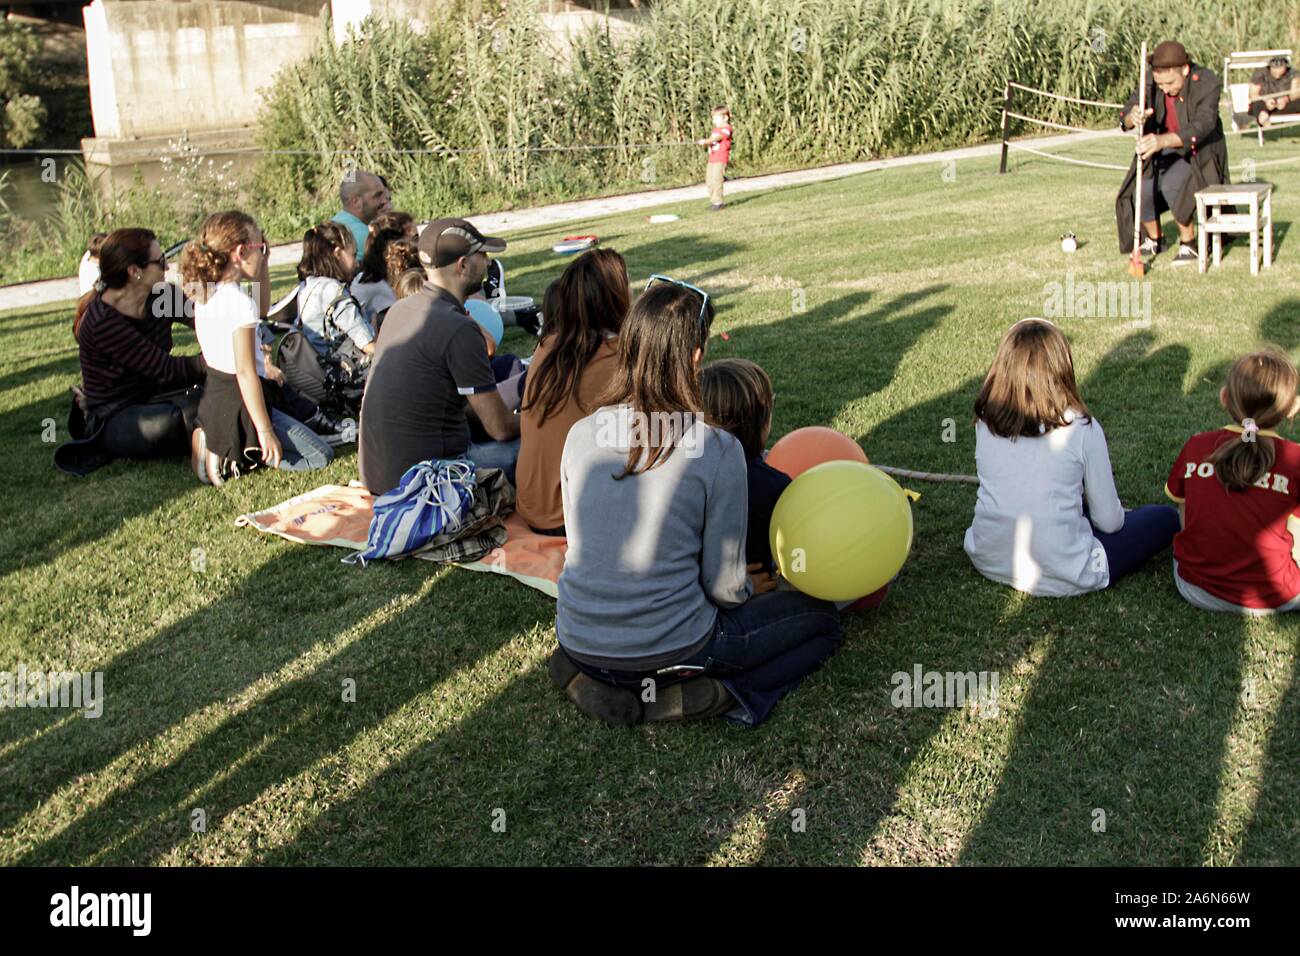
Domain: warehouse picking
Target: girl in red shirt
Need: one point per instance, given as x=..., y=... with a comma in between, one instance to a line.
x=1238, y=491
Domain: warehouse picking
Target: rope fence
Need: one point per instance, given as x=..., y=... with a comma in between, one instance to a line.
x=447, y=151
x=1058, y=96
x=1009, y=114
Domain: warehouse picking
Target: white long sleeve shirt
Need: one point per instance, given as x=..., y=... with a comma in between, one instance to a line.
x=1029, y=529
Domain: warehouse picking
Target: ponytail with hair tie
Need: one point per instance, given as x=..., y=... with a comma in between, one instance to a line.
x=1249, y=429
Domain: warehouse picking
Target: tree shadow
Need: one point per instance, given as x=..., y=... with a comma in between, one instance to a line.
x=211, y=655
x=72, y=511
x=1272, y=837
x=828, y=343
x=300, y=722
x=1120, y=733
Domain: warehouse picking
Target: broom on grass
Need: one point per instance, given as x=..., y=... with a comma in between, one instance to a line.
x=1136, y=267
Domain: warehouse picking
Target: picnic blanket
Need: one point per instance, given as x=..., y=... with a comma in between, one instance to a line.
x=339, y=516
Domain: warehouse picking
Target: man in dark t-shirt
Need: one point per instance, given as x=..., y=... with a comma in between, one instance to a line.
x=430, y=362
x=1273, y=90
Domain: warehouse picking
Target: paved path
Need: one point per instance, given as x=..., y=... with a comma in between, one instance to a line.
x=51, y=291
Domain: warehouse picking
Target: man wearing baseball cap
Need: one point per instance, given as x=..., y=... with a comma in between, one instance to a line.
x=430, y=361
x=1183, y=148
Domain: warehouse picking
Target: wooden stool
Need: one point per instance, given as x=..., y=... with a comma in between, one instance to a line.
x=1256, y=221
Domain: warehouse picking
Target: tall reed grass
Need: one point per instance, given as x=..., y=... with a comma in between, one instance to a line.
x=477, y=111
x=808, y=81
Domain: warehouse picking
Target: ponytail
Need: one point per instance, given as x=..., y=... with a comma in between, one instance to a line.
x=118, y=251
x=1259, y=394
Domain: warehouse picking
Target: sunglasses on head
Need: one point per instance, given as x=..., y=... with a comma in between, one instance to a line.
x=685, y=285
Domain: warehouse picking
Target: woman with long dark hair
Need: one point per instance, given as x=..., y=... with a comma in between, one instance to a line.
x=655, y=587
x=572, y=365
x=137, y=400
x=373, y=285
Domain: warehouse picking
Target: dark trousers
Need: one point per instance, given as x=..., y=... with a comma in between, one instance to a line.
x=158, y=428
x=1147, y=531
x=760, y=651
x=1259, y=107
x=1171, y=174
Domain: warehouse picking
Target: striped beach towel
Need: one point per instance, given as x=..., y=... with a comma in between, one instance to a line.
x=433, y=498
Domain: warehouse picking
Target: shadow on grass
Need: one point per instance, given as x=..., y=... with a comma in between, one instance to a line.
x=1129, y=719
x=300, y=722
x=212, y=655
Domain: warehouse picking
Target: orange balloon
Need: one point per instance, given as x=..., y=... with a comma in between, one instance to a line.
x=806, y=448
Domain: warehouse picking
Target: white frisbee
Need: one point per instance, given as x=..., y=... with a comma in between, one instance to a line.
x=572, y=244
x=663, y=217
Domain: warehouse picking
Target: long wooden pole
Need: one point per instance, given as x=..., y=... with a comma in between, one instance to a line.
x=1006, y=108
x=1135, y=260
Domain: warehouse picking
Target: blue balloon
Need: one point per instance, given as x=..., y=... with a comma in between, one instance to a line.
x=486, y=316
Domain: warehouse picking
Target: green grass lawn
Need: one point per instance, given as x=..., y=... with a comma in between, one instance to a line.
x=223, y=687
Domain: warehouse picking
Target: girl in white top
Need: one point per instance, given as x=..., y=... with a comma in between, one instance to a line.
x=1048, y=520
x=247, y=416
x=88, y=268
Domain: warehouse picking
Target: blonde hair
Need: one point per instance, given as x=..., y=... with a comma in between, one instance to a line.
x=1261, y=386
x=409, y=283
x=205, y=259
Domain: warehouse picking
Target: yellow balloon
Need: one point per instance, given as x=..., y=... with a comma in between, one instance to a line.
x=841, y=530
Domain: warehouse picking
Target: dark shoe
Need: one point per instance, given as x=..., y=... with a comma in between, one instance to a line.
x=1186, y=256
x=615, y=706
x=697, y=698
x=716, y=206
x=1152, y=247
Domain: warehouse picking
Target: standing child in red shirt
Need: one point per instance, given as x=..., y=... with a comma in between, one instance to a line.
x=719, y=144
x=1238, y=490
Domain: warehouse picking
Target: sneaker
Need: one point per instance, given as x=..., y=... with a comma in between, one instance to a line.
x=1187, y=256
x=334, y=432
x=615, y=706
x=1152, y=247
x=199, y=455
x=716, y=206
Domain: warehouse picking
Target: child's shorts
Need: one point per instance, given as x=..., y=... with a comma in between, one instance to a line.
x=1203, y=599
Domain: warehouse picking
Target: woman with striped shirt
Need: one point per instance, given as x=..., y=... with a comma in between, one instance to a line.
x=137, y=399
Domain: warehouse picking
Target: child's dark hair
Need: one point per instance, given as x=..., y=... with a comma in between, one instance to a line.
x=387, y=227
x=1030, y=385
x=95, y=244
x=738, y=398
x=320, y=246
x=1261, y=387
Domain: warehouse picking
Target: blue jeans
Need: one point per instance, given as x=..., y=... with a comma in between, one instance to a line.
x=304, y=450
x=1147, y=531
x=495, y=454
x=760, y=651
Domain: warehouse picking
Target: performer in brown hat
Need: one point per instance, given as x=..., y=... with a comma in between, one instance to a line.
x=1182, y=146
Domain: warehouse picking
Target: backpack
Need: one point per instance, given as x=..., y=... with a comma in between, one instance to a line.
x=334, y=380
x=433, y=497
